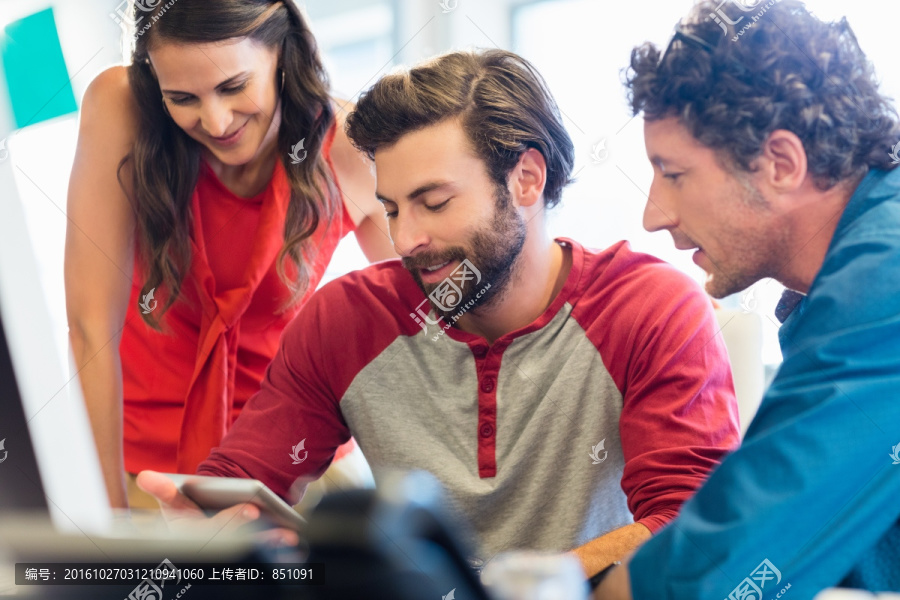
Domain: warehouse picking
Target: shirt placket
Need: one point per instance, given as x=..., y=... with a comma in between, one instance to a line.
x=487, y=366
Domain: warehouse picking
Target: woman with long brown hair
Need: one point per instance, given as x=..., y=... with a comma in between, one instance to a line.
x=211, y=184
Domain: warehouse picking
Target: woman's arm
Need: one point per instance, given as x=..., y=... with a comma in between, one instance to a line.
x=99, y=257
x=356, y=174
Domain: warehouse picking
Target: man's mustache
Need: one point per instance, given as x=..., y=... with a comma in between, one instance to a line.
x=428, y=259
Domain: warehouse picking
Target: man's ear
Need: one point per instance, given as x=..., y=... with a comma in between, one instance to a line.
x=783, y=162
x=528, y=178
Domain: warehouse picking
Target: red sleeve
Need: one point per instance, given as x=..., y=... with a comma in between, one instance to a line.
x=299, y=398
x=657, y=334
x=294, y=405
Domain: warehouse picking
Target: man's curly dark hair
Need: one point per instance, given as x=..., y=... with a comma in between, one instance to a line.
x=787, y=70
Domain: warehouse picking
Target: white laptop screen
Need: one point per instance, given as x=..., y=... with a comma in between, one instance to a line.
x=40, y=391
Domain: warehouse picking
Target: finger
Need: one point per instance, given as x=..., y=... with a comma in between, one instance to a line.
x=230, y=519
x=277, y=538
x=165, y=491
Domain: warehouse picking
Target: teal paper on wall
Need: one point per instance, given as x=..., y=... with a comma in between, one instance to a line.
x=36, y=74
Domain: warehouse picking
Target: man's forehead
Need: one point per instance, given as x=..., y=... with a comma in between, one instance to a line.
x=403, y=177
x=668, y=140
x=665, y=128
x=424, y=160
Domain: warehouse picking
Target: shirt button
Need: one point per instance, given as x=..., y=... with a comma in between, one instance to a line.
x=480, y=351
x=487, y=430
x=487, y=386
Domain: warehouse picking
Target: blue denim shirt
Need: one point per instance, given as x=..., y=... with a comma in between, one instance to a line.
x=811, y=499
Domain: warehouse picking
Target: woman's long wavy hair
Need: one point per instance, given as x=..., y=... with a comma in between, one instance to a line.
x=166, y=161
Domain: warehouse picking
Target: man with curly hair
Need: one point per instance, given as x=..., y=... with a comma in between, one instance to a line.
x=771, y=151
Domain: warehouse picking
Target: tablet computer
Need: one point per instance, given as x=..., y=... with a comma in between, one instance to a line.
x=217, y=493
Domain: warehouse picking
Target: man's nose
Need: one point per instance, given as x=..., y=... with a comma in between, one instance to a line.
x=408, y=234
x=658, y=214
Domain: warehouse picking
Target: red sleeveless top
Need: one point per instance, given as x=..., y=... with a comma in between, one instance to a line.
x=185, y=386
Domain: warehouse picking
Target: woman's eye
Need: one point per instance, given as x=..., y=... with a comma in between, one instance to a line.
x=182, y=100
x=673, y=176
x=235, y=89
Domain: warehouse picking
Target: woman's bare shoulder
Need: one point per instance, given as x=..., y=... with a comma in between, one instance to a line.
x=107, y=132
x=108, y=109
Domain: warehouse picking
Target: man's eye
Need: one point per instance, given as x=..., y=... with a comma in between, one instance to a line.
x=438, y=207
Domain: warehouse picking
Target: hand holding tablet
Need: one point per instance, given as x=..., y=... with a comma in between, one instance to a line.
x=238, y=501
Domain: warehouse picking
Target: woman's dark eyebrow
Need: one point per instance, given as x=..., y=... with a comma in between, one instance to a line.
x=225, y=83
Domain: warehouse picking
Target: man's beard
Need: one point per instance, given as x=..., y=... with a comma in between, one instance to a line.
x=754, y=254
x=493, y=250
